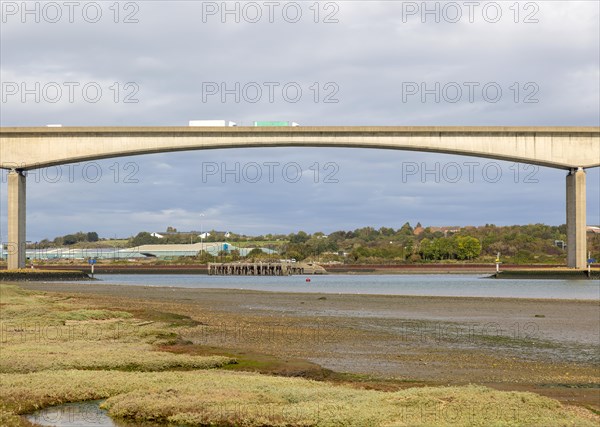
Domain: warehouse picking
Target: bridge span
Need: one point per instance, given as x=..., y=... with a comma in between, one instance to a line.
x=570, y=148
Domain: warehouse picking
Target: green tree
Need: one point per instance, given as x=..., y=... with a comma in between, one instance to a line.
x=81, y=236
x=425, y=248
x=386, y=231
x=467, y=247
x=92, y=236
x=301, y=237
x=256, y=252
x=144, y=238
x=406, y=229
x=205, y=257
x=69, y=239
x=235, y=255
x=446, y=248
x=294, y=255
x=359, y=253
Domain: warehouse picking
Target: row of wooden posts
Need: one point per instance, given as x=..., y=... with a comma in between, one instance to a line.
x=254, y=269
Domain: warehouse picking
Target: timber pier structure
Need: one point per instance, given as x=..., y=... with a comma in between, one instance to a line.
x=263, y=269
x=253, y=269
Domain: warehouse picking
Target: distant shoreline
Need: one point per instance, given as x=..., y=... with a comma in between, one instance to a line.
x=69, y=272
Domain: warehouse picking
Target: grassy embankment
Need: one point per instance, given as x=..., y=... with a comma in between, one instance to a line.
x=55, y=349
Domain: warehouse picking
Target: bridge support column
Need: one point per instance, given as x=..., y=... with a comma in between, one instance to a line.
x=16, y=219
x=576, y=219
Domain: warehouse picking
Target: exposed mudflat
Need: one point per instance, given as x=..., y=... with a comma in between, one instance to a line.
x=546, y=346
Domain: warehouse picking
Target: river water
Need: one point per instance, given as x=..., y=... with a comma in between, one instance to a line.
x=79, y=414
x=458, y=285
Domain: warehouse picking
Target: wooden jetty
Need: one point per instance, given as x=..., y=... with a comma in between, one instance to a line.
x=262, y=269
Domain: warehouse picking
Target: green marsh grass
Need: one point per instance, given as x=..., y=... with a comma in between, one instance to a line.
x=55, y=350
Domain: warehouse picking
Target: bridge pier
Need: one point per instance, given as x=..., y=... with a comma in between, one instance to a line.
x=16, y=219
x=576, y=219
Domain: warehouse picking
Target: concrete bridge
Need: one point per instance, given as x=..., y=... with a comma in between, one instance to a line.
x=570, y=148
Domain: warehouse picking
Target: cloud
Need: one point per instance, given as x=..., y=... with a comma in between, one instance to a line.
x=363, y=62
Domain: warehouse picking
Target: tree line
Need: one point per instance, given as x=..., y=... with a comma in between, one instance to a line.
x=68, y=240
x=533, y=243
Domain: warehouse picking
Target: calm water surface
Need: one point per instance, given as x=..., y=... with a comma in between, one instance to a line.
x=461, y=285
x=80, y=414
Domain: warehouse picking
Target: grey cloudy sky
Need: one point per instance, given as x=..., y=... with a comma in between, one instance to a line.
x=356, y=65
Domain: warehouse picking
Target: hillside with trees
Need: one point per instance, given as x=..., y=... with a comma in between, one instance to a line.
x=517, y=244
x=520, y=244
x=68, y=240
